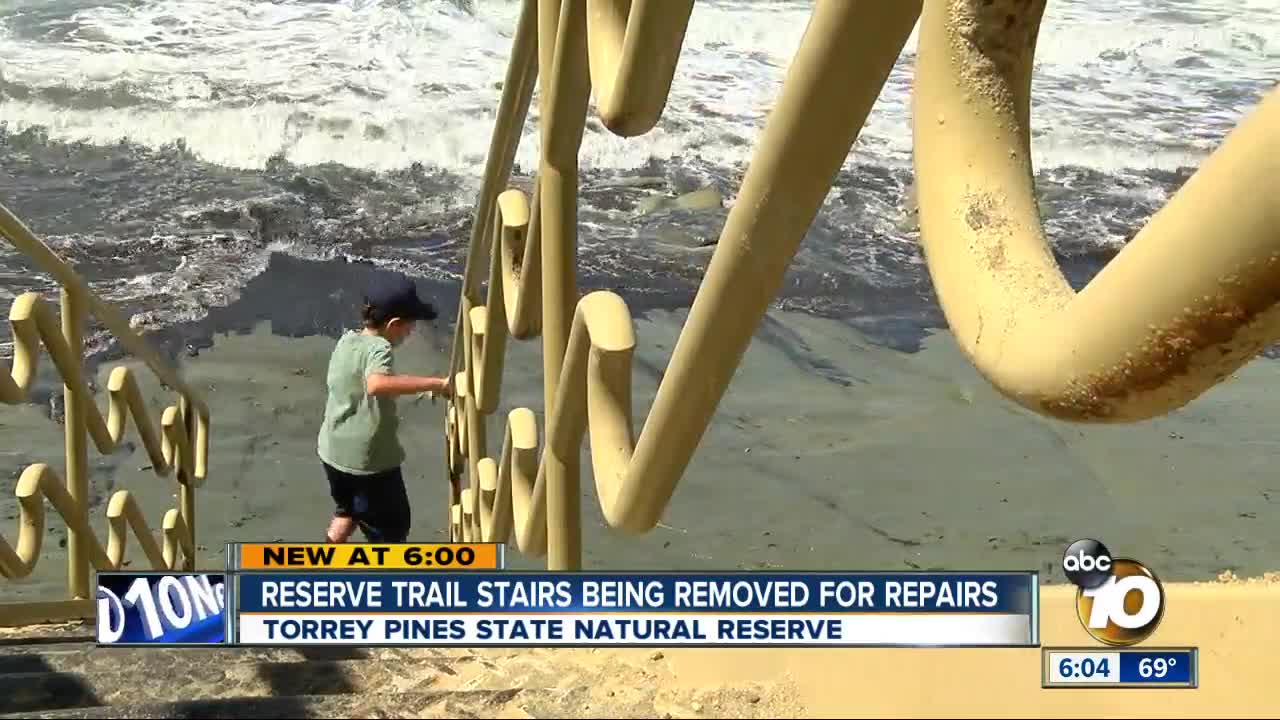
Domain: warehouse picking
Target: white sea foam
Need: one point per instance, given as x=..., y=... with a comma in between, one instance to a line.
x=384, y=83
x=1120, y=87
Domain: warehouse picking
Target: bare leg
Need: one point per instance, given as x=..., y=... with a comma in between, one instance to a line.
x=340, y=529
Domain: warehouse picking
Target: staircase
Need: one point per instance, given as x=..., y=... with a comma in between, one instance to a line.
x=59, y=673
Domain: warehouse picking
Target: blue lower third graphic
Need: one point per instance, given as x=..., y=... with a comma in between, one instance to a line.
x=655, y=609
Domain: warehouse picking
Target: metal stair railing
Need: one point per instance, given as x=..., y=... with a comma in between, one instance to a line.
x=178, y=445
x=1190, y=299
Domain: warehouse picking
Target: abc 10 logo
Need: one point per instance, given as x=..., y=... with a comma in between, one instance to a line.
x=1118, y=601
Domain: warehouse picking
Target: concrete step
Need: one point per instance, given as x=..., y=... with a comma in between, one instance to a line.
x=84, y=657
x=84, y=676
x=59, y=678
x=428, y=704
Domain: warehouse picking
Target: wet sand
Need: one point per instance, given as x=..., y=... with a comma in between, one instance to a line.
x=828, y=452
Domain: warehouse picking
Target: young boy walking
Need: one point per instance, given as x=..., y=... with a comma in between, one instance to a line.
x=359, y=444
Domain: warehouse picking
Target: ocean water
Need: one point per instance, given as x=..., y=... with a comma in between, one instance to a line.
x=170, y=148
x=210, y=163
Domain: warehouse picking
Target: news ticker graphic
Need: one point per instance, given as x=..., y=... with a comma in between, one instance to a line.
x=651, y=609
x=1120, y=667
x=146, y=608
x=510, y=609
x=1119, y=601
x=365, y=556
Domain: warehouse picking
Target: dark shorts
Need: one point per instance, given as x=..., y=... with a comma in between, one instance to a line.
x=378, y=503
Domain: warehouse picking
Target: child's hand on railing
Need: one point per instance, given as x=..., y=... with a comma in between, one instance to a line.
x=445, y=393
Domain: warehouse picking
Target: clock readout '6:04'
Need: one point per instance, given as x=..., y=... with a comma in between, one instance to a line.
x=1084, y=666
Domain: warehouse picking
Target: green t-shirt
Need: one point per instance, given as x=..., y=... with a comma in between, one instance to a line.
x=360, y=432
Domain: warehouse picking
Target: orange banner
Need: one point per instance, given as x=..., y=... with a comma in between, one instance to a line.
x=364, y=556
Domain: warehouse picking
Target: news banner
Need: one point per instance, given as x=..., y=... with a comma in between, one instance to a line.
x=440, y=595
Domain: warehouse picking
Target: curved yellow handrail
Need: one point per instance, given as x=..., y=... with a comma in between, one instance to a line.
x=486, y=332
x=513, y=296
x=1189, y=300
x=34, y=324
x=179, y=538
x=595, y=389
x=516, y=503
x=596, y=386
x=179, y=445
x=38, y=482
x=633, y=48
x=124, y=514
x=521, y=269
x=799, y=154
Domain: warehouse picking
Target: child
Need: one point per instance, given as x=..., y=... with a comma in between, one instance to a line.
x=358, y=445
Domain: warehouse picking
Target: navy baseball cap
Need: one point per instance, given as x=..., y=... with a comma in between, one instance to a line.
x=396, y=297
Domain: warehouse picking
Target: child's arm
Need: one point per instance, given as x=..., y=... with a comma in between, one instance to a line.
x=388, y=384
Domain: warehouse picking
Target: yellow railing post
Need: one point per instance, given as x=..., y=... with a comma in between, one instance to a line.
x=77, y=447
x=563, y=29
x=451, y=476
x=187, y=493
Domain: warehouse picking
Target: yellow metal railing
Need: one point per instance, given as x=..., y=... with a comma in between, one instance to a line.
x=178, y=445
x=1191, y=298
